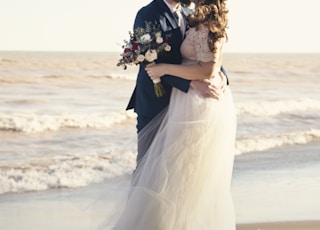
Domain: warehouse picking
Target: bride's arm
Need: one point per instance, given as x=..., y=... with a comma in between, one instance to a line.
x=196, y=71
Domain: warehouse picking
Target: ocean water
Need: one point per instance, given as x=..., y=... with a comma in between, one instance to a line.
x=63, y=122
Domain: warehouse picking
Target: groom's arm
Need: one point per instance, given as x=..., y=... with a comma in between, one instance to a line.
x=225, y=74
x=204, y=88
x=201, y=87
x=177, y=82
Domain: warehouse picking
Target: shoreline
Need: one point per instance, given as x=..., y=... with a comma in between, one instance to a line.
x=269, y=192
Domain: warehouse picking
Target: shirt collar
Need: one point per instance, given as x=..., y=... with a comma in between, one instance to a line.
x=172, y=9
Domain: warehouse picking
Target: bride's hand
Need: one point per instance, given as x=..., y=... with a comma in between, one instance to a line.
x=211, y=88
x=155, y=70
x=219, y=84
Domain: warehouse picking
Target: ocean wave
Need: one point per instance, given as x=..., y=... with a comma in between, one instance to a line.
x=91, y=76
x=71, y=171
x=34, y=123
x=269, y=141
x=273, y=108
x=63, y=77
x=81, y=169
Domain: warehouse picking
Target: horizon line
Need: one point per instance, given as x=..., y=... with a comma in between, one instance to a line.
x=113, y=51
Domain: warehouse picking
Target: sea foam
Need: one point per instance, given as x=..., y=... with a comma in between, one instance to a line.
x=269, y=141
x=273, y=108
x=64, y=171
x=32, y=123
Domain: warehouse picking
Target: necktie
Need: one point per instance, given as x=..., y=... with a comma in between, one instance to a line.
x=180, y=19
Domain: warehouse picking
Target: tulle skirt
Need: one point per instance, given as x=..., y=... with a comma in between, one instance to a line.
x=183, y=181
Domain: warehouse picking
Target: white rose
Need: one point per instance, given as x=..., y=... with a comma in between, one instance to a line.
x=159, y=40
x=145, y=38
x=158, y=34
x=167, y=48
x=140, y=58
x=151, y=55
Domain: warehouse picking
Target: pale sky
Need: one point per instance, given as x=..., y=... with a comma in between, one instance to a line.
x=101, y=25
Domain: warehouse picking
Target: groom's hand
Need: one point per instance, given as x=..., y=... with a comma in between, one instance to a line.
x=207, y=88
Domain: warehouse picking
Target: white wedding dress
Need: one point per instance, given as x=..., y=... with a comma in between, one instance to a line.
x=183, y=182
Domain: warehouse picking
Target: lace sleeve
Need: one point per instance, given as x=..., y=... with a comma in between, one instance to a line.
x=203, y=52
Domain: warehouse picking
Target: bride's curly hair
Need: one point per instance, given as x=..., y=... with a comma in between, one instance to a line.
x=213, y=14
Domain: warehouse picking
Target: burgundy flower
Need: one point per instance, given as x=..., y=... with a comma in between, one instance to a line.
x=135, y=46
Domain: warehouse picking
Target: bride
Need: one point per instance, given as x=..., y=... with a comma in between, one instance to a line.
x=183, y=181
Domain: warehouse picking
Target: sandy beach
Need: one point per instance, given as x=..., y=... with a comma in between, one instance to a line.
x=294, y=225
x=66, y=210
x=75, y=210
x=292, y=205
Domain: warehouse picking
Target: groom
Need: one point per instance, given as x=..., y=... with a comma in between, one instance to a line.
x=143, y=100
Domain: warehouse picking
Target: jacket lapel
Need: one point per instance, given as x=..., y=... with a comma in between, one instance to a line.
x=167, y=19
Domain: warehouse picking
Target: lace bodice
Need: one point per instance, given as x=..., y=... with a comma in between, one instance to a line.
x=195, y=47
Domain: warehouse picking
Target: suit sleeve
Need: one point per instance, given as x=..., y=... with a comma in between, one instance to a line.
x=179, y=83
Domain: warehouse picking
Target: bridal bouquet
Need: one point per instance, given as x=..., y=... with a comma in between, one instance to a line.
x=143, y=47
